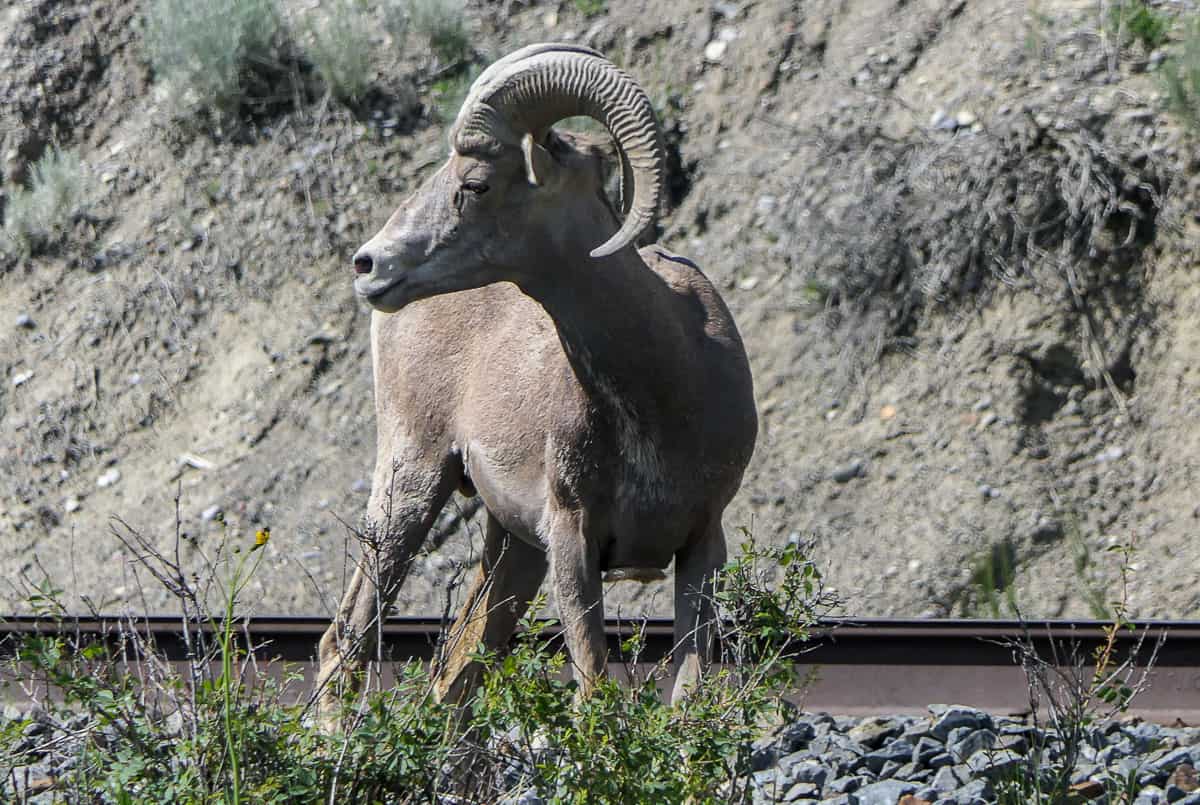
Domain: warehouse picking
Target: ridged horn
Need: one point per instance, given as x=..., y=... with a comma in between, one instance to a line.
x=535, y=87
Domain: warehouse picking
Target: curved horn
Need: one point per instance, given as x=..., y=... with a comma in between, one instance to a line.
x=486, y=79
x=537, y=86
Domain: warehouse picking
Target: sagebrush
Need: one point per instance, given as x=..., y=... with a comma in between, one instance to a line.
x=203, y=52
x=35, y=216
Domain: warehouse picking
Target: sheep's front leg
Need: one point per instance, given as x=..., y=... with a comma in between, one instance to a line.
x=405, y=500
x=696, y=568
x=510, y=572
x=575, y=573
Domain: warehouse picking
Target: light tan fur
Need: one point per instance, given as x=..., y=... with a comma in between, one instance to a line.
x=601, y=408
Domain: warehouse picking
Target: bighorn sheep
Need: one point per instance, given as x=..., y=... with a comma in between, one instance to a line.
x=597, y=398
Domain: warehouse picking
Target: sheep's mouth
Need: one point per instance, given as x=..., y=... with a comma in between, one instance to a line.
x=373, y=292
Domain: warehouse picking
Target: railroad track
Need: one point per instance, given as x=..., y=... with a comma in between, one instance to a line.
x=860, y=666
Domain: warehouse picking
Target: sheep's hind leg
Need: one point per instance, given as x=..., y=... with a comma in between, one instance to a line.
x=510, y=572
x=404, y=504
x=696, y=567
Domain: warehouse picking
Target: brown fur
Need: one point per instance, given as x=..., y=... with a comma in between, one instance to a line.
x=601, y=408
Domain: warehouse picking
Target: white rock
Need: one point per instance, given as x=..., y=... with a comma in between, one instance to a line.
x=109, y=478
x=210, y=513
x=195, y=462
x=20, y=378
x=965, y=117
x=937, y=117
x=71, y=505
x=715, y=50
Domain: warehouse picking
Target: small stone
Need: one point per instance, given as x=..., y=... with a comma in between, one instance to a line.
x=763, y=754
x=887, y=412
x=940, y=760
x=885, y=792
x=210, y=513
x=896, y=752
x=1089, y=789
x=988, y=420
x=848, y=472
x=360, y=486
x=1017, y=743
x=992, y=764
x=845, y=785
x=971, y=743
x=949, y=717
x=974, y=791
x=71, y=505
x=965, y=118
x=926, y=749
x=1168, y=759
x=797, y=735
x=714, y=51
x=803, y=771
x=1150, y=795
x=946, y=779
x=108, y=478
x=1184, y=778
x=801, y=791
x=873, y=732
x=21, y=378
x=913, y=799
x=25, y=321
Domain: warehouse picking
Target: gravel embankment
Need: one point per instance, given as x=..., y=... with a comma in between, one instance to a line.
x=955, y=756
x=962, y=756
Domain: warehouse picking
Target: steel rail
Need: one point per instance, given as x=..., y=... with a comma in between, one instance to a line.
x=857, y=666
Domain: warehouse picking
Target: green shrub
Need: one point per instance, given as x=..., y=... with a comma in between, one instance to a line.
x=591, y=8
x=1133, y=20
x=1181, y=75
x=202, y=50
x=441, y=23
x=209, y=733
x=340, y=47
x=35, y=216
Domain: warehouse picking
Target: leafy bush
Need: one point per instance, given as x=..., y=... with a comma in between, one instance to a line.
x=441, y=22
x=215, y=733
x=339, y=48
x=1181, y=75
x=203, y=50
x=1134, y=20
x=34, y=216
x=591, y=8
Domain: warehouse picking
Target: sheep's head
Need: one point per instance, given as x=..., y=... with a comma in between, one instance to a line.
x=511, y=179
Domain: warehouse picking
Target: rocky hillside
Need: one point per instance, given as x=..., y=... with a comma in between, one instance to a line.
x=957, y=237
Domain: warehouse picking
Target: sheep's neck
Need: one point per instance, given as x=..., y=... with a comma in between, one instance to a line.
x=604, y=314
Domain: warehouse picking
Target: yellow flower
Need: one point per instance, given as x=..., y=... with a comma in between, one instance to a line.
x=260, y=538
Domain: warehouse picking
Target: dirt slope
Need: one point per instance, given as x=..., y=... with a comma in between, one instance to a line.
x=957, y=241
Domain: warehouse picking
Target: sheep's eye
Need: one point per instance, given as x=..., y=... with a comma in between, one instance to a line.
x=475, y=186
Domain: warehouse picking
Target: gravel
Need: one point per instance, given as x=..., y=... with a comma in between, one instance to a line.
x=955, y=756
x=960, y=756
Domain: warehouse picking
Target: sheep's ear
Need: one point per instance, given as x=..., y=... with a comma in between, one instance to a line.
x=538, y=162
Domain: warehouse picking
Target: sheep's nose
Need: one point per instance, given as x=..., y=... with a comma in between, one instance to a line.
x=363, y=263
